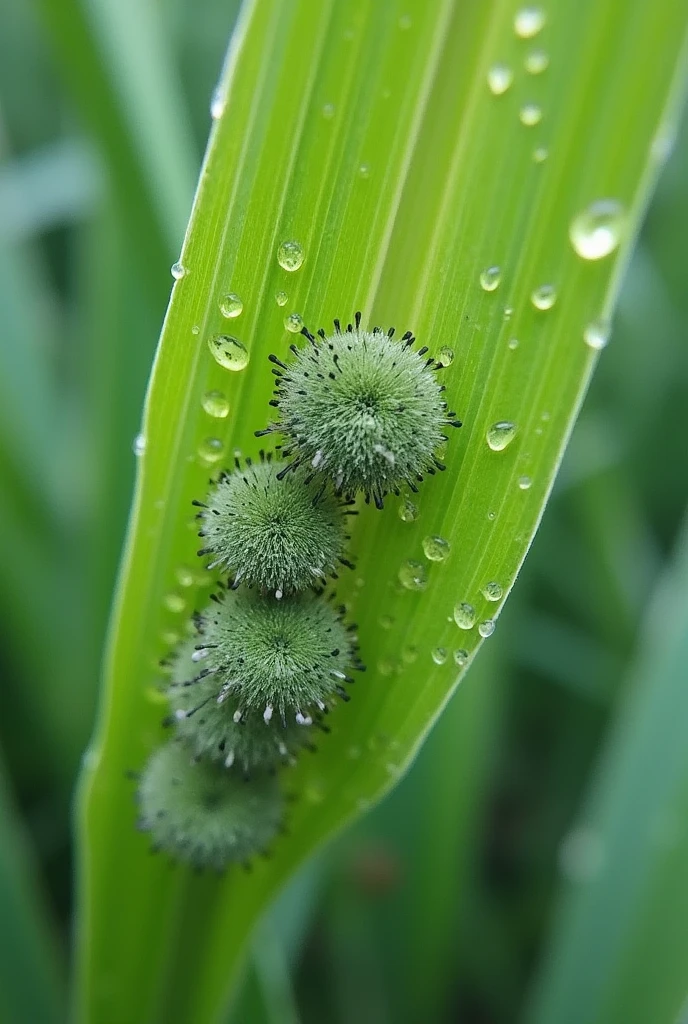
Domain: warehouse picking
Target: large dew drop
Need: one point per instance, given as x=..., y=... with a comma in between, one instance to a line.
x=500, y=435
x=596, y=334
x=529, y=21
x=490, y=278
x=413, y=575
x=215, y=404
x=464, y=615
x=290, y=255
x=499, y=79
x=544, y=296
x=436, y=549
x=231, y=305
x=597, y=231
x=293, y=323
x=228, y=352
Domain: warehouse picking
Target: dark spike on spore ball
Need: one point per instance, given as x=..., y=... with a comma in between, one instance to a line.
x=364, y=409
x=283, y=535
x=209, y=718
x=289, y=658
x=203, y=815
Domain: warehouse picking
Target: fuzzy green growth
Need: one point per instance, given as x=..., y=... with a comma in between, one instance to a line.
x=203, y=815
x=289, y=657
x=210, y=720
x=282, y=535
x=362, y=408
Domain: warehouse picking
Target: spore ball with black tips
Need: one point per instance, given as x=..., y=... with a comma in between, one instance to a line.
x=289, y=658
x=209, y=719
x=281, y=535
x=362, y=408
x=203, y=815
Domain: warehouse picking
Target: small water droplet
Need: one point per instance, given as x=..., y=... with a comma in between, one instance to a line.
x=492, y=591
x=231, y=305
x=439, y=655
x=436, y=549
x=490, y=278
x=408, y=512
x=178, y=271
x=215, y=404
x=508, y=313
x=597, y=230
x=293, y=323
x=170, y=639
x=500, y=435
x=405, y=22
x=460, y=657
x=175, y=603
x=386, y=621
x=139, y=445
x=364, y=171
x=486, y=628
x=536, y=62
x=544, y=296
x=513, y=343
x=413, y=575
x=409, y=655
x=328, y=111
x=524, y=483
x=445, y=356
x=530, y=114
x=185, y=576
x=211, y=450
x=195, y=329
x=540, y=155
x=529, y=21
x=385, y=667
x=217, y=103
x=596, y=334
x=290, y=255
x=499, y=79
x=464, y=615
x=228, y=352
x=491, y=516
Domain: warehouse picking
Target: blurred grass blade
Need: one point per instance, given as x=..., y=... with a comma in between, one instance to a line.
x=366, y=132
x=620, y=944
x=31, y=975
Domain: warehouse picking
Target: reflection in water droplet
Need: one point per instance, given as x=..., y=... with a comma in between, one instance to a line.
x=529, y=21
x=492, y=591
x=486, y=628
x=413, y=575
x=439, y=655
x=490, y=278
x=530, y=114
x=460, y=657
x=231, y=305
x=540, y=155
x=500, y=435
x=464, y=615
x=536, y=62
x=281, y=298
x=293, y=323
x=175, y=603
x=408, y=512
x=436, y=549
x=596, y=334
x=178, y=271
x=445, y=356
x=290, y=255
x=544, y=297
x=211, y=450
x=215, y=404
x=228, y=352
x=524, y=482
x=499, y=79
x=597, y=230
x=139, y=445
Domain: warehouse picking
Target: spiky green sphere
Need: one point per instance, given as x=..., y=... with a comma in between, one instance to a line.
x=363, y=409
x=287, y=657
x=203, y=815
x=209, y=719
x=279, y=534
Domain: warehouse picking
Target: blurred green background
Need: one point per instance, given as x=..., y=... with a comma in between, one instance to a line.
x=542, y=831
